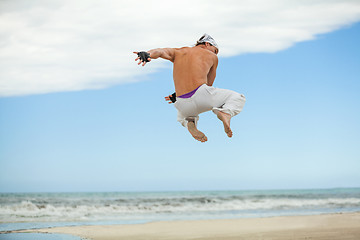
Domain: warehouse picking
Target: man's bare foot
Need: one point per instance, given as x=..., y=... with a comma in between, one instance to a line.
x=200, y=136
x=225, y=118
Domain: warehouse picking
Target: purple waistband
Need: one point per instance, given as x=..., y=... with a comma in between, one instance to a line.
x=189, y=94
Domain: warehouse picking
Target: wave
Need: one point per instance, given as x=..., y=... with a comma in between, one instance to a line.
x=80, y=209
x=32, y=207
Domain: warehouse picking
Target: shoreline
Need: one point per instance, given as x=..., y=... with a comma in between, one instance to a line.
x=324, y=226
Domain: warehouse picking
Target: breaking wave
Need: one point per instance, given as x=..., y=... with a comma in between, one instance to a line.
x=112, y=206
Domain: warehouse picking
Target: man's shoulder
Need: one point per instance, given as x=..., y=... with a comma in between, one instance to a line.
x=182, y=49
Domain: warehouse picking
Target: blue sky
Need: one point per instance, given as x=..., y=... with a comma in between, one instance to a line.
x=299, y=128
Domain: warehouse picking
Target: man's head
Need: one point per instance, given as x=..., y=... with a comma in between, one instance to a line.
x=206, y=38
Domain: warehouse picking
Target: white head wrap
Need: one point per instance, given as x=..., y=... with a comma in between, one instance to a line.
x=207, y=38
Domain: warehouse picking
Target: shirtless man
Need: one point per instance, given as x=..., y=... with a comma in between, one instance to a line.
x=194, y=74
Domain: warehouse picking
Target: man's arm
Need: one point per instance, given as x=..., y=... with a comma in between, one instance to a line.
x=165, y=53
x=212, y=73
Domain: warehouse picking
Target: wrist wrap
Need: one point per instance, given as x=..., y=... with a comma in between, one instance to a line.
x=173, y=97
x=144, y=56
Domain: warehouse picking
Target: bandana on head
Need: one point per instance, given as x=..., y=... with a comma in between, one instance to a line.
x=207, y=38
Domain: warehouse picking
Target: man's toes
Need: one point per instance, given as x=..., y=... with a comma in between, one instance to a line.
x=197, y=138
x=228, y=132
x=201, y=138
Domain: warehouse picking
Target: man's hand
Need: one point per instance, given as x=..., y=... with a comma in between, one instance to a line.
x=168, y=99
x=171, y=98
x=143, y=57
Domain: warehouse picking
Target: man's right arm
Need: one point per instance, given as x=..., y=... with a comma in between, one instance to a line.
x=165, y=53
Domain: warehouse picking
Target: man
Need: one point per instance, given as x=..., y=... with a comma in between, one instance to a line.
x=194, y=74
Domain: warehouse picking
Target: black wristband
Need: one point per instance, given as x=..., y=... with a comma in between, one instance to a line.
x=173, y=97
x=144, y=56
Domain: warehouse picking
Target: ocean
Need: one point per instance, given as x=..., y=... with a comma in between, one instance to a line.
x=41, y=210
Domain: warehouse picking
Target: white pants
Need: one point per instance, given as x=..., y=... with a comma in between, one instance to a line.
x=208, y=98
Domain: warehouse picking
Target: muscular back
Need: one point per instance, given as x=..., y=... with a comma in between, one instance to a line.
x=193, y=67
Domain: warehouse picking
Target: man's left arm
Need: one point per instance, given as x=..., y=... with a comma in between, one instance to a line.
x=212, y=73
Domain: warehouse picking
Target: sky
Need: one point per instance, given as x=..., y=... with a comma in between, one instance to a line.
x=78, y=114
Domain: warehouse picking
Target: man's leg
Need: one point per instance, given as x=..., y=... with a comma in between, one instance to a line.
x=190, y=124
x=225, y=118
x=228, y=104
x=198, y=135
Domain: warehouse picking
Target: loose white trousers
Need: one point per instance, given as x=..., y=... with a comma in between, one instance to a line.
x=208, y=98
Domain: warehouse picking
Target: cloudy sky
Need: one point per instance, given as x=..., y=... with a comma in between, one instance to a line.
x=52, y=46
x=77, y=112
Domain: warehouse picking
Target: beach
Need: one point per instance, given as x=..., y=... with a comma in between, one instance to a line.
x=248, y=214
x=326, y=226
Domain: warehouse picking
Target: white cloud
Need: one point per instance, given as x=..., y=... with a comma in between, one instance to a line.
x=50, y=46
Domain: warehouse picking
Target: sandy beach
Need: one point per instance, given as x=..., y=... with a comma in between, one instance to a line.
x=327, y=226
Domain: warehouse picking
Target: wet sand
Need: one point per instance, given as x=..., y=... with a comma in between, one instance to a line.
x=327, y=227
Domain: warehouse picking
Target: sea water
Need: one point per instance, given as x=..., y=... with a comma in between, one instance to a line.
x=42, y=210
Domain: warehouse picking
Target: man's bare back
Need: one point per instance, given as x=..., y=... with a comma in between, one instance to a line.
x=193, y=67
